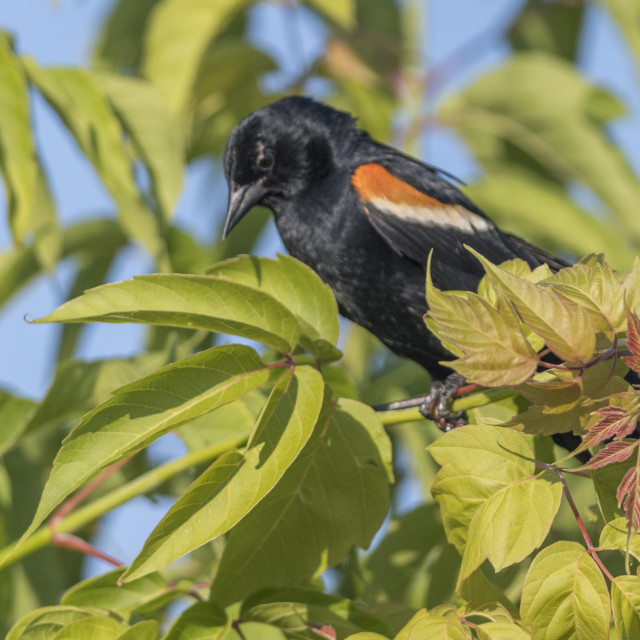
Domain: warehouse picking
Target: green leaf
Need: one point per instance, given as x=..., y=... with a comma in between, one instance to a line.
x=201, y=621
x=193, y=302
x=478, y=461
x=596, y=288
x=502, y=631
x=515, y=196
x=558, y=132
x=495, y=351
x=178, y=35
x=342, y=12
x=631, y=286
x=47, y=234
x=295, y=611
x=143, y=630
x=626, y=13
x=566, y=328
x=119, y=46
x=334, y=496
x=299, y=289
x=434, y=627
x=14, y=418
x=614, y=535
x=79, y=386
x=410, y=560
x=511, y=522
x=565, y=595
x=552, y=28
x=153, y=131
x=76, y=97
x=235, y=483
x=625, y=602
x=139, y=596
x=96, y=628
x=143, y=410
x=18, y=164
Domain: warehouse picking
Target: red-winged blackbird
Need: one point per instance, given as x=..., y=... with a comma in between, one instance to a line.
x=364, y=217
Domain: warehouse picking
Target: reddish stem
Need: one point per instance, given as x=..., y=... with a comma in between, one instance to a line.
x=591, y=549
x=69, y=541
x=67, y=507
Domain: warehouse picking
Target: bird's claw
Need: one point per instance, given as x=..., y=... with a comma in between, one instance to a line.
x=436, y=404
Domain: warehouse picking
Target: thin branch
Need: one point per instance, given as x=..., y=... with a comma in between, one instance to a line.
x=94, y=510
x=69, y=541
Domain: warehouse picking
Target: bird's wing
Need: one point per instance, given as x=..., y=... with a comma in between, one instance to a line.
x=415, y=211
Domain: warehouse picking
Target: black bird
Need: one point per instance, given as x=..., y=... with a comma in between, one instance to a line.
x=364, y=217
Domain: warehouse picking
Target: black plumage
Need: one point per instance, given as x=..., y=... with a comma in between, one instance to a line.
x=365, y=217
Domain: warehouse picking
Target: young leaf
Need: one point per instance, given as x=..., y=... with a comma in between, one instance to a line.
x=631, y=286
x=478, y=461
x=633, y=341
x=614, y=421
x=502, y=631
x=427, y=625
x=18, y=157
x=143, y=410
x=610, y=454
x=625, y=602
x=511, y=522
x=334, y=496
x=596, y=288
x=76, y=96
x=628, y=495
x=235, y=483
x=496, y=353
x=565, y=595
x=193, y=302
x=300, y=290
x=567, y=329
x=615, y=536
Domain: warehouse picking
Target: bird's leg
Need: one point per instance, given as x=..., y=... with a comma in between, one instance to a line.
x=436, y=403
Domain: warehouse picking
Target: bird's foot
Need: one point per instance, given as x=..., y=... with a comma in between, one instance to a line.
x=436, y=404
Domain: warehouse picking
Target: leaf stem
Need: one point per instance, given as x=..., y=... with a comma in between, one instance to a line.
x=84, y=515
x=591, y=549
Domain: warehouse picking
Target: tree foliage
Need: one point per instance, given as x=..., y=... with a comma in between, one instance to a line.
x=288, y=474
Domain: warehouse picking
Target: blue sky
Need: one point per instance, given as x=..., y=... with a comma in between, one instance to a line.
x=61, y=33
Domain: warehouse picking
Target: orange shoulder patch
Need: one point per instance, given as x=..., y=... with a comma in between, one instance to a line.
x=372, y=181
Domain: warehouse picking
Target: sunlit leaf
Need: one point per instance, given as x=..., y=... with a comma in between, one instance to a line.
x=495, y=350
x=436, y=627
x=633, y=342
x=478, y=461
x=299, y=289
x=76, y=97
x=558, y=132
x=192, y=302
x=154, y=133
x=146, y=594
x=625, y=602
x=565, y=595
x=309, y=521
x=566, y=328
x=177, y=37
x=17, y=150
x=235, y=483
x=143, y=410
x=615, y=535
x=511, y=522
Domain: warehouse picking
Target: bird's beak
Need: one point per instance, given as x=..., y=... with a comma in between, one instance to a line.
x=241, y=199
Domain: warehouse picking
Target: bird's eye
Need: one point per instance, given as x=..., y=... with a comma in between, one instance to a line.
x=265, y=160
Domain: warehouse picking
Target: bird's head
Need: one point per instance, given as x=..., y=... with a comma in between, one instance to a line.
x=279, y=151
